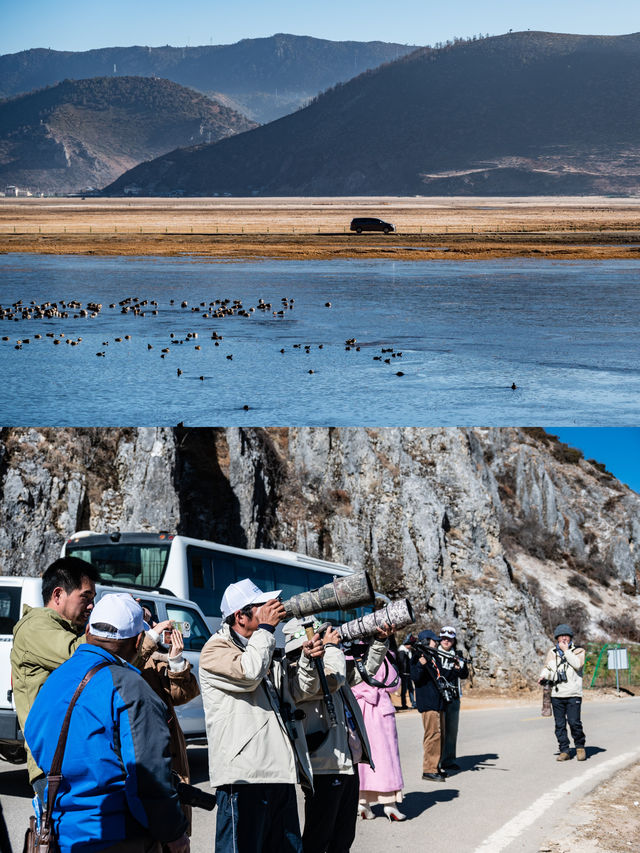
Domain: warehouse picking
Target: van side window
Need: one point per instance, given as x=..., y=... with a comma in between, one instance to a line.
x=209, y=575
x=9, y=608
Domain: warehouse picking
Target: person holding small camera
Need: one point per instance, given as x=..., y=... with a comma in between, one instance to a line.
x=562, y=671
x=169, y=675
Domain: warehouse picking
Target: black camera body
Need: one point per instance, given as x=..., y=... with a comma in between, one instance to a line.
x=189, y=795
x=448, y=691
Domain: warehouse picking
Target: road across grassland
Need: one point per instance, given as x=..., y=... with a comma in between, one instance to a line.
x=319, y=228
x=510, y=794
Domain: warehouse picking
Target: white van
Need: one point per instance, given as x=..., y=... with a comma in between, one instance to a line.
x=200, y=570
x=15, y=592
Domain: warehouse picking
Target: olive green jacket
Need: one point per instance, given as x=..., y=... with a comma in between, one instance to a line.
x=42, y=640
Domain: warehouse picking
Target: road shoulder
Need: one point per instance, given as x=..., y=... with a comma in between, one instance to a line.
x=608, y=819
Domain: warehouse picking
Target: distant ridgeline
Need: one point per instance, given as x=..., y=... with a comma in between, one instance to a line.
x=519, y=114
x=263, y=78
x=82, y=134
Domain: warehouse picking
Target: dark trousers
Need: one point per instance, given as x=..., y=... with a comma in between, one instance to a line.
x=406, y=686
x=257, y=818
x=451, y=720
x=5, y=843
x=568, y=711
x=330, y=814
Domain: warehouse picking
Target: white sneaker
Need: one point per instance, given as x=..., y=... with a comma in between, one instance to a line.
x=365, y=812
x=393, y=814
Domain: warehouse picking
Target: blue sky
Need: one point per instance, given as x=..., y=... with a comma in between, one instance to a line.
x=617, y=447
x=79, y=25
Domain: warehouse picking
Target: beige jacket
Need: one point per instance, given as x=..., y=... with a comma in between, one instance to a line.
x=246, y=733
x=572, y=665
x=334, y=755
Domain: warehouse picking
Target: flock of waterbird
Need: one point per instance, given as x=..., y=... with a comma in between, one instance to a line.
x=215, y=310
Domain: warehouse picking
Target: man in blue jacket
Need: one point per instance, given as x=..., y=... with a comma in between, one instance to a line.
x=116, y=794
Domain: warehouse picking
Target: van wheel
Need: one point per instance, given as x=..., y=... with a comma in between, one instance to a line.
x=13, y=754
x=358, y=230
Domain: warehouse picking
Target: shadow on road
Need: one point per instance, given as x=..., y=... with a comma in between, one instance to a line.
x=416, y=802
x=15, y=783
x=594, y=750
x=478, y=762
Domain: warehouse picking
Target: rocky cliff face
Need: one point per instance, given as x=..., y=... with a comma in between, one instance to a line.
x=500, y=532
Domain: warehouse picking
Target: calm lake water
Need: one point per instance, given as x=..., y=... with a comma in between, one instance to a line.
x=566, y=333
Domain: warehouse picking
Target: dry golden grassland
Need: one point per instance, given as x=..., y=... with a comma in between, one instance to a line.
x=318, y=228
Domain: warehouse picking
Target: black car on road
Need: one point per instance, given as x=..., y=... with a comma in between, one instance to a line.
x=369, y=223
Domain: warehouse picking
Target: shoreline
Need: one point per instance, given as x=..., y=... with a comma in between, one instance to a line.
x=423, y=247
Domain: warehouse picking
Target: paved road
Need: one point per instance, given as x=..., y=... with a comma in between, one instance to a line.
x=508, y=797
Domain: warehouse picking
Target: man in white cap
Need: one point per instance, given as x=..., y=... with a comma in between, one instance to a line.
x=117, y=794
x=453, y=668
x=257, y=748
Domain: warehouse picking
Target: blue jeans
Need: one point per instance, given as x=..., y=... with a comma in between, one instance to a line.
x=568, y=711
x=257, y=818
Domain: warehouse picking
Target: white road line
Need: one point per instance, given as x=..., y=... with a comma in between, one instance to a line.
x=513, y=828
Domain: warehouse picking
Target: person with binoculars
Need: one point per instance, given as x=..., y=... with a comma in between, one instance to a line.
x=257, y=746
x=562, y=672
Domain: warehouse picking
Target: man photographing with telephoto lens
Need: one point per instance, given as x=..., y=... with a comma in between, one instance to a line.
x=257, y=747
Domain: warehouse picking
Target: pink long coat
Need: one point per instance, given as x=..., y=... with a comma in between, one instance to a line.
x=380, y=721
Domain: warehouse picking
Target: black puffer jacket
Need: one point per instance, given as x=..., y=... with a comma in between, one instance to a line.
x=424, y=676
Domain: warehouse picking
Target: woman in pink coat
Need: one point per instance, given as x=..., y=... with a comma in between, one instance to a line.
x=384, y=784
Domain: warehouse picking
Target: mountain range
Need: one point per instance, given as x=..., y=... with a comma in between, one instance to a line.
x=263, y=78
x=517, y=114
x=84, y=133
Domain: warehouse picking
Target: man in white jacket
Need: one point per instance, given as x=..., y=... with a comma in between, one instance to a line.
x=257, y=748
x=563, y=669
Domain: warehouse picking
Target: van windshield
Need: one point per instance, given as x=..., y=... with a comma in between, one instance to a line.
x=9, y=608
x=125, y=563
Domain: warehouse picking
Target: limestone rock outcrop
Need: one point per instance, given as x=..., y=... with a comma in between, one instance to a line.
x=496, y=531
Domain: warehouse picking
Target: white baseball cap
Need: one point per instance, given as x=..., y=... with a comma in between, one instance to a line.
x=448, y=631
x=121, y=612
x=295, y=634
x=238, y=595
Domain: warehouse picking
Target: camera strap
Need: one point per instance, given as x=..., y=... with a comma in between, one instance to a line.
x=370, y=680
